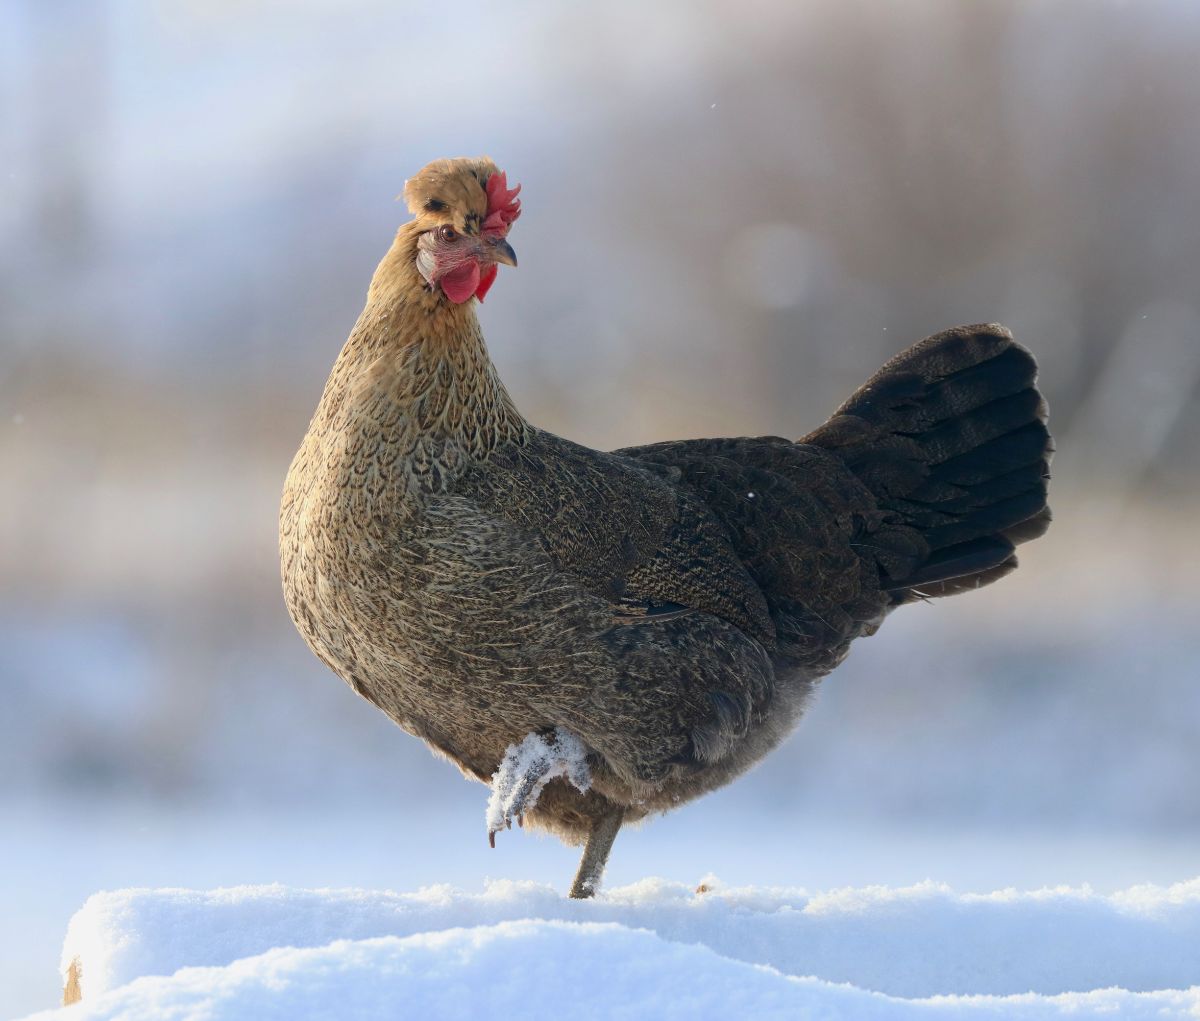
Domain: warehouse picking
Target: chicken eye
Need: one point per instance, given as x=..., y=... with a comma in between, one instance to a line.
x=447, y=233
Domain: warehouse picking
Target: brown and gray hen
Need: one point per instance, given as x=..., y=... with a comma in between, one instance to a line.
x=602, y=636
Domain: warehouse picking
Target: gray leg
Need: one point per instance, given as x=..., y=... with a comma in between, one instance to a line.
x=595, y=853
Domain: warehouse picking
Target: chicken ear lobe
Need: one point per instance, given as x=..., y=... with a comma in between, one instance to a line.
x=459, y=284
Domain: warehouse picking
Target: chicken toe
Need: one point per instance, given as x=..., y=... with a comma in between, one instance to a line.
x=526, y=768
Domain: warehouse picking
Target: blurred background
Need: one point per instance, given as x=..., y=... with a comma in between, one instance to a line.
x=734, y=212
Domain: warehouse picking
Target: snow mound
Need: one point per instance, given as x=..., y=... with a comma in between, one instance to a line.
x=550, y=970
x=654, y=949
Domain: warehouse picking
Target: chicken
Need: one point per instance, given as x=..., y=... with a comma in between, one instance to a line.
x=602, y=636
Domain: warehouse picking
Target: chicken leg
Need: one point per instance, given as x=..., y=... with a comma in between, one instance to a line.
x=595, y=853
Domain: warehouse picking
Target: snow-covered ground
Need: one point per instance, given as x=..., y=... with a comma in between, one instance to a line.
x=652, y=949
x=62, y=857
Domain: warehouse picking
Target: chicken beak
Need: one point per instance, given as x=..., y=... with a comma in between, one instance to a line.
x=502, y=252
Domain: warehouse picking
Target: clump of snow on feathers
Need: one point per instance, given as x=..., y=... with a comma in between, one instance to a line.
x=526, y=769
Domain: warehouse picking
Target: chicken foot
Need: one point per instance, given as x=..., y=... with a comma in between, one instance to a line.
x=526, y=768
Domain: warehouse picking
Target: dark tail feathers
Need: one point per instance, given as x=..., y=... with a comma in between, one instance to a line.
x=950, y=436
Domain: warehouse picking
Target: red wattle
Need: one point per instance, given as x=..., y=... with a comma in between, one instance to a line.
x=459, y=284
x=485, y=282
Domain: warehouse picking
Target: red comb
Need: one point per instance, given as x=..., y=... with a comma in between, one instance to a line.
x=503, y=205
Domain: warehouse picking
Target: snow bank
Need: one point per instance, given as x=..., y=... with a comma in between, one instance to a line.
x=654, y=949
x=550, y=970
x=917, y=941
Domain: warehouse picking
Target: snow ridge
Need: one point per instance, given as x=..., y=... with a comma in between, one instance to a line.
x=653, y=949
